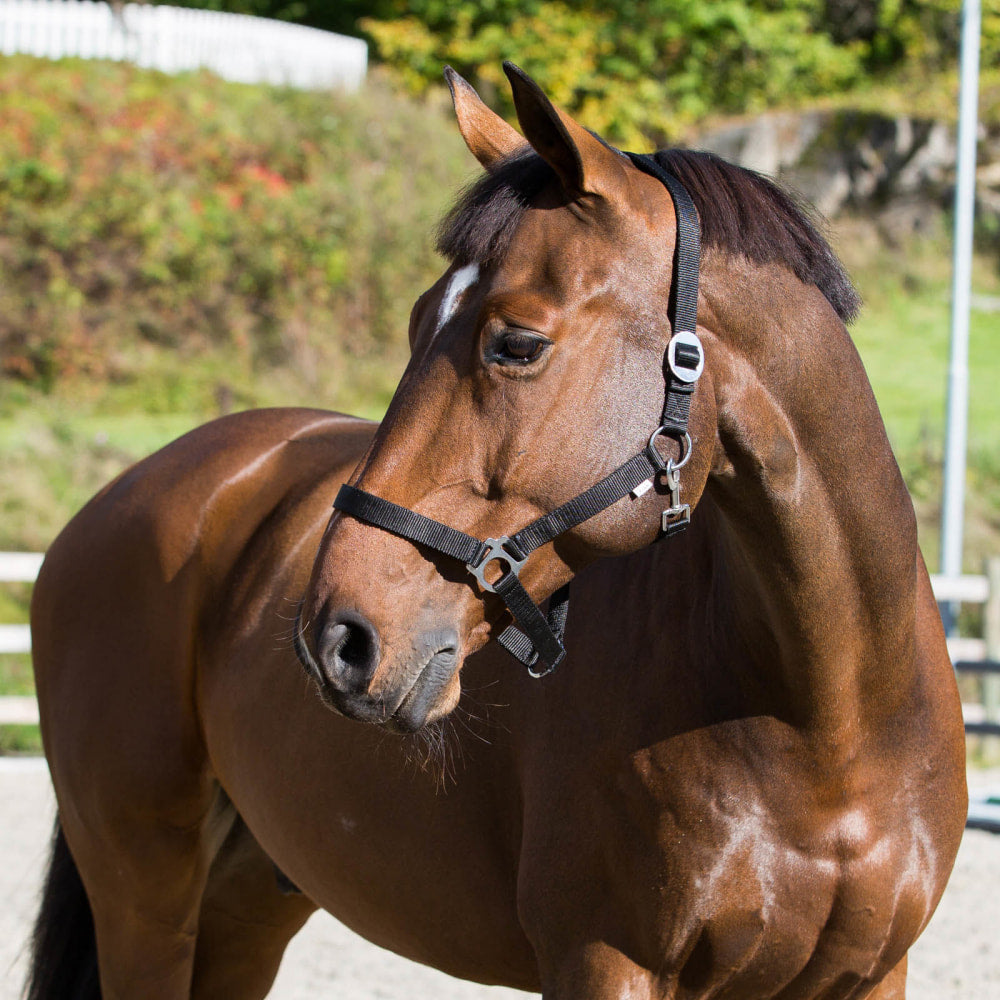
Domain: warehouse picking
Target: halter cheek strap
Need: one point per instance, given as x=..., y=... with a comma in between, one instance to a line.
x=536, y=638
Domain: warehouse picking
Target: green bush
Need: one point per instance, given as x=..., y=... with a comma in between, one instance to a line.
x=636, y=72
x=143, y=213
x=641, y=72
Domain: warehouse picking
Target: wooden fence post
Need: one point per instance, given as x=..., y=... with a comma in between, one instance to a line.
x=991, y=635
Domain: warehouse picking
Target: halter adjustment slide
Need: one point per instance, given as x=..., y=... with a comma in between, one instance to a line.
x=685, y=356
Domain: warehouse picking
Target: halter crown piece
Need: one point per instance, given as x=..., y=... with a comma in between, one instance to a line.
x=536, y=639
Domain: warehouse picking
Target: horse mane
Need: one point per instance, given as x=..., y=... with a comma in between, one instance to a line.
x=742, y=213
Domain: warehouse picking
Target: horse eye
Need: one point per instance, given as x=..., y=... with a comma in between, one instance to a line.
x=515, y=347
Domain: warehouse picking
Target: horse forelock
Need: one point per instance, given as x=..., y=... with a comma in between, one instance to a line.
x=480, y=226
x=741, y=212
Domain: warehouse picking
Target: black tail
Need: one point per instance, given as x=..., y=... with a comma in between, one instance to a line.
x=63, y=947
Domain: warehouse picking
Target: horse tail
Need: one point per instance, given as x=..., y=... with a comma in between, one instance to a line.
x=63, y=945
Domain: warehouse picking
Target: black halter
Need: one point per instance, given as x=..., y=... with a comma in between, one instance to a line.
x=536, y=638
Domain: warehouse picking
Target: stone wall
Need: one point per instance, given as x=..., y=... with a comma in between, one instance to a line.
x=901, y=170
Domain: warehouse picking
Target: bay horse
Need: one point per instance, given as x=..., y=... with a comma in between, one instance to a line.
x=745, y=779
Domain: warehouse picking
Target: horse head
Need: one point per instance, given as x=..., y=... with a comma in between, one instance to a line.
x=537, y=368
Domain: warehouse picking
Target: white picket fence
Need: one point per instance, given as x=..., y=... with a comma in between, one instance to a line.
x=173, y=39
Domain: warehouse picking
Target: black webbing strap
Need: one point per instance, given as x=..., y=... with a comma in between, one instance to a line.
x=583, y=507
x=409, y=524
x=517, y=643
x=688, y=260
x=546, y=632
x=535, y=637
x=535, y=628
x=677, y=404
x=539, y=637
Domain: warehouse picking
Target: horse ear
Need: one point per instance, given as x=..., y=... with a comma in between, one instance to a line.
x=583, y=163
x=489, y=138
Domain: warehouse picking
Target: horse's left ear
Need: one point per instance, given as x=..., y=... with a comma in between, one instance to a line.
x=583, y=163
x=489, y=138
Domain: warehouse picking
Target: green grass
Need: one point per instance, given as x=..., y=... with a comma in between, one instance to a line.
x=15, y=668
x=903, y=335
x=20, y=740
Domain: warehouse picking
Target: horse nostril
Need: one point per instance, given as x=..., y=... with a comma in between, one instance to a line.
x=348, y=650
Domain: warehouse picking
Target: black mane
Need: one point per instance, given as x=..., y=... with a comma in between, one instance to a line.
x=741, y=212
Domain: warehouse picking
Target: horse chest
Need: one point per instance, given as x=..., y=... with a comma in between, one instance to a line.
x=735, y=894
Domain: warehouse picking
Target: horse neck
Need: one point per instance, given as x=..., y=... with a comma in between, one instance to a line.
x=822, y=548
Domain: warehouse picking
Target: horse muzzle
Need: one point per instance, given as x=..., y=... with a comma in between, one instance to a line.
x=346, y=664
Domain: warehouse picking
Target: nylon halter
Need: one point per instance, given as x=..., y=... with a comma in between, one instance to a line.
x=536, y=639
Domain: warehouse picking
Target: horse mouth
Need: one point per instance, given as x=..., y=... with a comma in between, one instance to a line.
x=425, y=700
x=418, y=701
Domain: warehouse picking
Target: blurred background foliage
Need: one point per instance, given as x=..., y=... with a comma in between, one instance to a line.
x=640, y=71
x=142, y=211
x=178, y=247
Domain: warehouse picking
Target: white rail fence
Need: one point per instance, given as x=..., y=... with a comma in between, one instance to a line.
x=174, y=39
x=978, y=656
x=18, y=567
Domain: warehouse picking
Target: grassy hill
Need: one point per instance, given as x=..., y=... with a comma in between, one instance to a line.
x=173, y=248
x=903, y=337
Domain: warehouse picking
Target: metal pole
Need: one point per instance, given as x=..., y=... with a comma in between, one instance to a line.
x=953, y=501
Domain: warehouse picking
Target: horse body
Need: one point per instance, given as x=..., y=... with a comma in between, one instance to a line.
x=747, y=778
x=202, y=705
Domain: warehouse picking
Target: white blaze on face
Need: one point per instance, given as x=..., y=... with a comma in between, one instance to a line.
x=461, y=281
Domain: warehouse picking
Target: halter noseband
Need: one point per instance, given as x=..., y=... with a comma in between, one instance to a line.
x=536, y=638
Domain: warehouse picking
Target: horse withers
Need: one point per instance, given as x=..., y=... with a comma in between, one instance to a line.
x=745, y=777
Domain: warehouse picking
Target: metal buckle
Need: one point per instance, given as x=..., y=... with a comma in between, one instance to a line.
x=494, y=550
x=675, y=519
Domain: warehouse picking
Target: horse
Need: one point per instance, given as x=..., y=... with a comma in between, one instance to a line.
x=744, y=777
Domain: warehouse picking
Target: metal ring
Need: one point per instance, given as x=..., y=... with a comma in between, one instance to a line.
x=538, y=673
x=684, y=439
x=495, y=551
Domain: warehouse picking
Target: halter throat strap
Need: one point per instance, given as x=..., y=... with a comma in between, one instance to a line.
x=536, y=638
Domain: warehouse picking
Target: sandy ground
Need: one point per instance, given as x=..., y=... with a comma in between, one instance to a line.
x=958, y=957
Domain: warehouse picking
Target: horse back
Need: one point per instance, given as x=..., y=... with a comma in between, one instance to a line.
x=127, y=587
